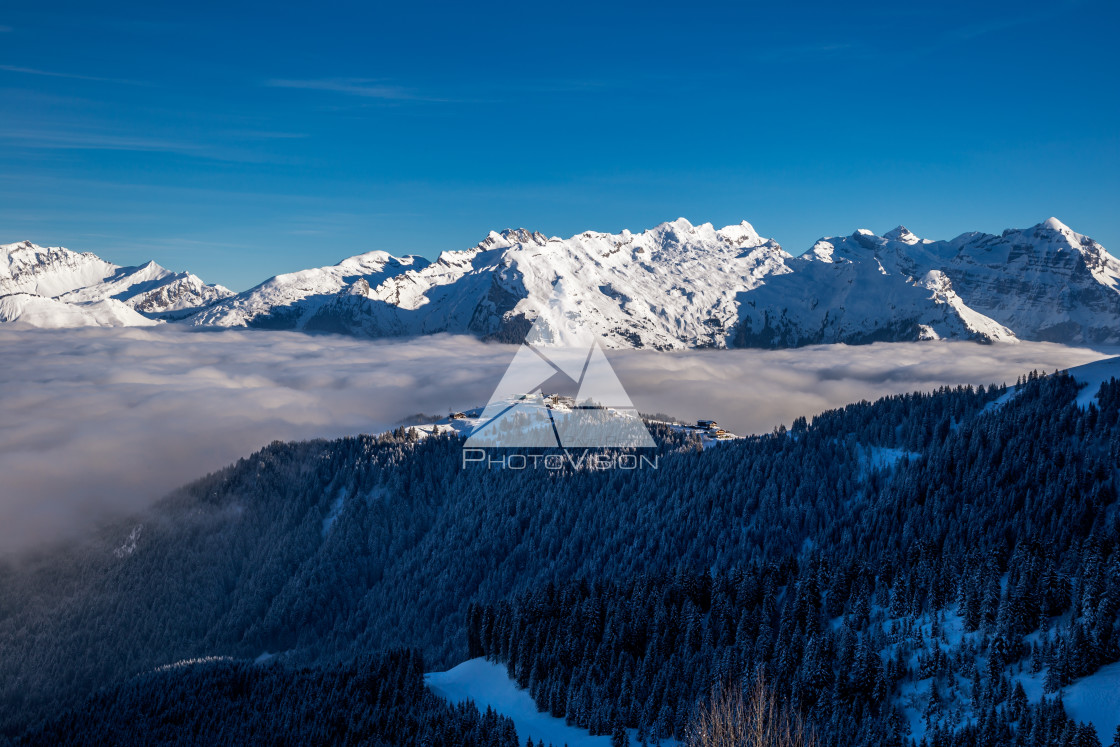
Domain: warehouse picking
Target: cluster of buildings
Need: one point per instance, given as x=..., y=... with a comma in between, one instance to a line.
x=559, y=400
x=711, y=429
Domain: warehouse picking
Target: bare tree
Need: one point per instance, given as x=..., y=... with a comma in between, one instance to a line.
x=728, y=719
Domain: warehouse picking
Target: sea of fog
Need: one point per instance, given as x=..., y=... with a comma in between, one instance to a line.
x=95, y=422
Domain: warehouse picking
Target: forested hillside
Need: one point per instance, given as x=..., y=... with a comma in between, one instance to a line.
x=371, y=700
x=929, y=566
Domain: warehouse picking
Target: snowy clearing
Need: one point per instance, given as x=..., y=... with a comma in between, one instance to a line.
x=487, y=684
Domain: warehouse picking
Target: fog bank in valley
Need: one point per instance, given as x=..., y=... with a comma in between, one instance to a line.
x=97, y=422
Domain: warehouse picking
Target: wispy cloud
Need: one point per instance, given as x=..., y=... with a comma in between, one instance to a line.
x=267, y=135
x=828, y=49
x=1010, y=20
x=912, y=31
x=98, y=422
x=81, y=139
x=369, y=88
x=5, y=29
x=93, y=141
x=72, y=76
x=380, y=90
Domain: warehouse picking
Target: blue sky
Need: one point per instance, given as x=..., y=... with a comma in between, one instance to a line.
x=240, y=141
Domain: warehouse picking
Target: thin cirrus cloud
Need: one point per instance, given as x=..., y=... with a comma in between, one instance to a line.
x=380, y=90
x=368, y=88
x=1010, y=20
x=72, y=76
x=73, y=139
x=82, y=139
x=98, y=423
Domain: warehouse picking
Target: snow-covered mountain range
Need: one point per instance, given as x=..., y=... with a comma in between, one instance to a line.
x=55, y=287
x=671, y=287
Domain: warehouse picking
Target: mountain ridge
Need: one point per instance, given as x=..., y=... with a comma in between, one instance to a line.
x=673, y=286
x=57, y=287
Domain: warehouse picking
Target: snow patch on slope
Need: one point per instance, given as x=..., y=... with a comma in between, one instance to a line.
x=980, y=325
x=1091, y=376
x=883, y=458
x=334, y=511
x=1096, y=699
x=487, y=684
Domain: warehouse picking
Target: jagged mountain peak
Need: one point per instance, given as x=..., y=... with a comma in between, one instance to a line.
x=49, y=271
x=670, y=286
x=57, y=287
x=1050, y=229
x=822, y=251
x=365, y=264
x=679, y=285
x=9, y=248
x=741, y=232
x=675, y=285
x=524, y=236
x=508, y=237
x=903, y=234
x=867, y=239
x=359, y=287
x=22, y=246
x=678, y=224
x=1056, y=225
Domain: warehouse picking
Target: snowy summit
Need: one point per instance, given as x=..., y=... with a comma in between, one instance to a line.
x=674, y=286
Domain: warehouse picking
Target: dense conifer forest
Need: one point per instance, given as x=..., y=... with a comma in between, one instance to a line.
x=929, y=568
x=371, y=700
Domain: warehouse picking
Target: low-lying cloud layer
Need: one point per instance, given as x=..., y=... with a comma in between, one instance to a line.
x=96, y=422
